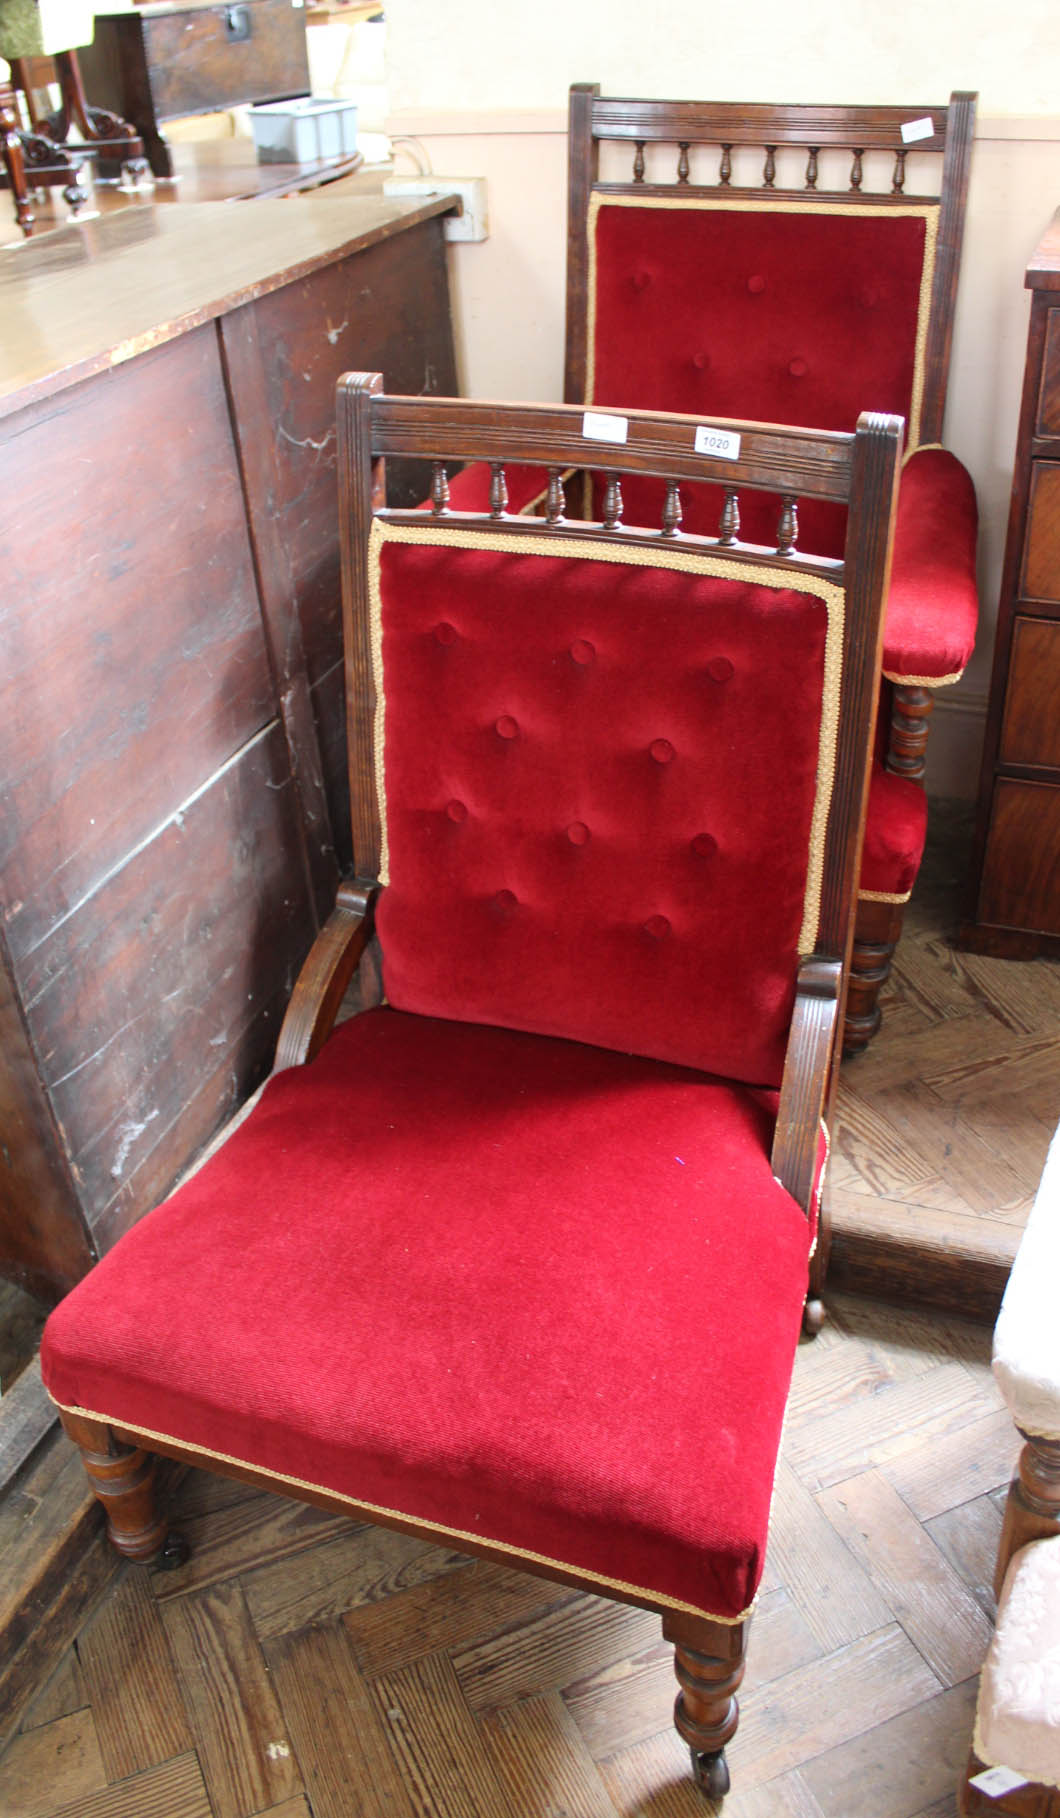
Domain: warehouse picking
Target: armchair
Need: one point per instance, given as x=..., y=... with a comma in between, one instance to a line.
x=518, y=1257
x=741, y=262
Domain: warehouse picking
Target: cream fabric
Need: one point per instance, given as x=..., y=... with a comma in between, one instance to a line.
x=1017, y=1722
x=1027, y=1334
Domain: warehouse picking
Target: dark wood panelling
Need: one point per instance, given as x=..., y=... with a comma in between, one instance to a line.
x=1021, y=879
x=1049, y=391
x=1041, y=571
x=1030, y=731
x=121, y=695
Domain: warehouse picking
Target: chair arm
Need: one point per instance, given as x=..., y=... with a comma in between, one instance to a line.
x=322, y=983
x=933, y=604
x=804, y=1086
x=1026, y=1353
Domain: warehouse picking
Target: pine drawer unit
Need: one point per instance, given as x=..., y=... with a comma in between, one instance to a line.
x=1015, y=909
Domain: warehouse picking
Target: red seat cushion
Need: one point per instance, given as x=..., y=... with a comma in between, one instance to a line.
x=534, y=1292
x=895, y=830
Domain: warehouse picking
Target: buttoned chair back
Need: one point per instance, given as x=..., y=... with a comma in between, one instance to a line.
x=517, y=1256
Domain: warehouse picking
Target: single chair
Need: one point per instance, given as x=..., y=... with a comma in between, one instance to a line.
x=728, y=259
x=518, y=1258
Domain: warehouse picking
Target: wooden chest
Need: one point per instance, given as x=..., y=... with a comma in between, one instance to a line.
x=162, y=61
x=1016, y=906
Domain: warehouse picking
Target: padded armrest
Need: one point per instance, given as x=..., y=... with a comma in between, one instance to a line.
x=933, y=604
x=1026, y=1356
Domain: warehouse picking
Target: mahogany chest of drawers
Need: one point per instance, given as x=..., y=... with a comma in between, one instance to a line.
x=1015, y=910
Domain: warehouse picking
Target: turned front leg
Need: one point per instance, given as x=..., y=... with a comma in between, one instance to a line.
x=123, y=1478
x=709, y=1663
x=1032, y=1511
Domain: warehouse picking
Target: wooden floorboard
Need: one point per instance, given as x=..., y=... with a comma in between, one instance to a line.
x=301, y=1666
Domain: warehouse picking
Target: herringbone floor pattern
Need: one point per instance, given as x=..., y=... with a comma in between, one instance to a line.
x=302, y=1667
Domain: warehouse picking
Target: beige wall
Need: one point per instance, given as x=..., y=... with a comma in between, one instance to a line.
x=482, y=96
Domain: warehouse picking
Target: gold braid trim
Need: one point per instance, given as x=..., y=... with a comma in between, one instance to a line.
x=927, y=211
x=509, y=542
x=884, y=896
x=923, y=681
x=655, y=1598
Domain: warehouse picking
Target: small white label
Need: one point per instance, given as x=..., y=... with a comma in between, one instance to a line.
x=998, y=1780
x=723, y=444
x=912, y=130
x=597, y=428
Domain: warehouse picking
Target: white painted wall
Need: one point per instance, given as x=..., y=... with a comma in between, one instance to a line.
x=479, y=87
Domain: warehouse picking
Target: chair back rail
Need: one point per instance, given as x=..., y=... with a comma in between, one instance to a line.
x=859, y=470
x=730, y=126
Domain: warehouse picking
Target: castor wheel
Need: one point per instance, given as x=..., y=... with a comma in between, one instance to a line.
x=812, y=1317
x=712, y=1773
x=175, y=1553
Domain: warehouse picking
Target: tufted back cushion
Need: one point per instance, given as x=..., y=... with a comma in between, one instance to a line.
x=784, y=312
x=604, y=778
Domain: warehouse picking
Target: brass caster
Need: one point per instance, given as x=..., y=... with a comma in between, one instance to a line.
x=175, y=1553
x=812, y=1317
x=712, y=1773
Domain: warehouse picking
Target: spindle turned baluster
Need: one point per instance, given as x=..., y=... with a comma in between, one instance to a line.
x=498, y=490
x=769, y=173
x=729, y=528
x=788, y=528
x=672, y=514
x=682, y=162
x=439, y=489
x=725, y=173
x=898, y=180
x=811, y=167
x=612, y=503
x=855, y=168
x=638, y=162
x=556, y=499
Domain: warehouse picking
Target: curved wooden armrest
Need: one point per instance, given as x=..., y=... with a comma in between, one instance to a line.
x=322, y=982
x=806, y=1071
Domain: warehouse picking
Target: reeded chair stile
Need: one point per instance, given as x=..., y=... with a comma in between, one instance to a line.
x=516, y=1257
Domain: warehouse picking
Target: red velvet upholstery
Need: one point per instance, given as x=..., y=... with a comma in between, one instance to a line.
x=391, y=1282
x=895, y=830
x=573, y=856
x=932, y=605
x=783, y=315
x=469, y=490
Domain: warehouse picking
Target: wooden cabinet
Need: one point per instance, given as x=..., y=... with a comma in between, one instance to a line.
x=174, y=818
x=1015, y=910
x=160, y=61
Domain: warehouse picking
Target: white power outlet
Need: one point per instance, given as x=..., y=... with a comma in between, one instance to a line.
x=473, y=224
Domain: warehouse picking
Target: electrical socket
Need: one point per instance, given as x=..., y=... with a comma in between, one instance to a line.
x=473, y=224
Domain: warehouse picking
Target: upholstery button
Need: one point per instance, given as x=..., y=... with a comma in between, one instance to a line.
x=797, y=368
x=657, y=926
x=505, y=899
x=578, y=833
x=457, y=811
x=662, y=751
x=720, y=669
x=507, y=727
x=756, y=284
x=445, y=633
x=700, y=360
x=704, y=845
x=641, y=280
x=582, y=651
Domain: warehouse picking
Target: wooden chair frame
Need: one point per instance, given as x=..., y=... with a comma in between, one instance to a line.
x=860, y=469
x=731, y=126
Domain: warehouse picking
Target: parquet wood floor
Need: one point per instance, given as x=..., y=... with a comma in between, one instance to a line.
x=302, y=1667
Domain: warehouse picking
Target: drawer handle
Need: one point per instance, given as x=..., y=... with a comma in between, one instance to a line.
x=237, y=23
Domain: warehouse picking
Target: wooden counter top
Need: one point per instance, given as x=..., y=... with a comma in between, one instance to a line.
x=83, y=298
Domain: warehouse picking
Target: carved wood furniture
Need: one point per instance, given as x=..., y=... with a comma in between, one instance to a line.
x=780, y=263
x=1018, y=1714
x=34, y=161
x=520, y=1258
x=114, y=145
x=175, y=802
x=170, y=58
x=1015, y=907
